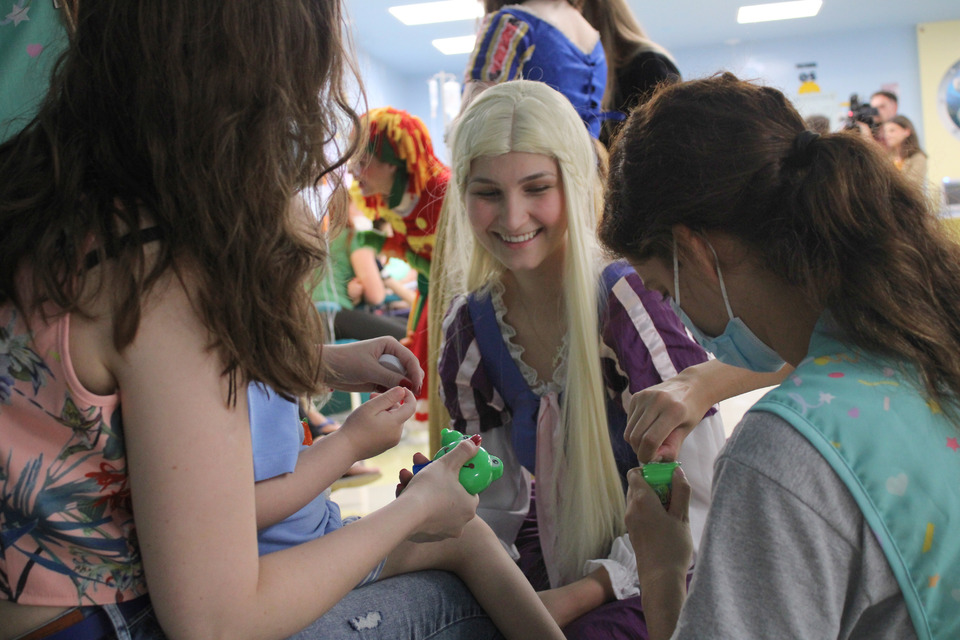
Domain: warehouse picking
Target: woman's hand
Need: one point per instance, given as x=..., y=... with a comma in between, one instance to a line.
x=437, y=488
x=660, y=537
x=377, y=424
x=662, y=416
x=355, y=366
x=664, y=548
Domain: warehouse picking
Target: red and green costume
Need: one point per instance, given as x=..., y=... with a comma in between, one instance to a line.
x=412, y=209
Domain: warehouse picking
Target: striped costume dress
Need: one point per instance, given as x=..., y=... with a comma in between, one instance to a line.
x=488, y=389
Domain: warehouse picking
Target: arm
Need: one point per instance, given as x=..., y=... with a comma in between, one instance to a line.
x=569, y=602
x=368, y=431
x=501, y=34
x=405, y=293
x=663, y=546
x=364, y=263
x=660, y=417
x=189, y=460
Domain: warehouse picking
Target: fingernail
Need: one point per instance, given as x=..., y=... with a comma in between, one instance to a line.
x=476, y=439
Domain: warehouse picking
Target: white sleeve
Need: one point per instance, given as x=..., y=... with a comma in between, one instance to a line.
x=621, y=566
x=697, y=455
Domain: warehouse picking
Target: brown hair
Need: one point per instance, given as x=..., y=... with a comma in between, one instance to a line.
x=622, y=38
x=206, y=118
x=911, y=144
x=818, y=123
x=832, y=216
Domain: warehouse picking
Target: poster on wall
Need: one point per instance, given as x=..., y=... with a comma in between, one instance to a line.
x=948, y=100
x=811, y=101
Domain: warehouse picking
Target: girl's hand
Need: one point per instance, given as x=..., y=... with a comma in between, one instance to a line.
x=355, y=290
x=354, y=366
x=660, y=537
x=377, y=424
x=661, y=417
x=447, y=505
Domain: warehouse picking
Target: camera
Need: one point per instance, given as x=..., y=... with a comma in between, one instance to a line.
x=860, y=112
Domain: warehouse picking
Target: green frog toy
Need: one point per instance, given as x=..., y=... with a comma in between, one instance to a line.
x=479, y=471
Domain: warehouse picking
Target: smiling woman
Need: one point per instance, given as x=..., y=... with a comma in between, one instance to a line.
x=528, y=361
x=516, y=208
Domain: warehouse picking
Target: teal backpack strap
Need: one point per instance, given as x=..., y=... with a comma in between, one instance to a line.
x=32, y=37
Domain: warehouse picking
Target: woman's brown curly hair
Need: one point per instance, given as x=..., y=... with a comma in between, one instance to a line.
x=205, y=118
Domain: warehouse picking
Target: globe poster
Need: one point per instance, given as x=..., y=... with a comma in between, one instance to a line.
x=948, y=100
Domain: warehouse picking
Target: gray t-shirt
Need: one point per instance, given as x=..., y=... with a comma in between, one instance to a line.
x=786, y=552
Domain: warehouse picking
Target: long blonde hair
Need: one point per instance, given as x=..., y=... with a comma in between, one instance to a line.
x=531, y=117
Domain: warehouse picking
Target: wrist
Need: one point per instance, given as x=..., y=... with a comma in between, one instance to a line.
x=662, y=599
x=666, y=580
x=414, y=504
x=347, y=449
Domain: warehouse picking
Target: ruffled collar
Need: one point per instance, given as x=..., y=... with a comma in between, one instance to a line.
x=538, y=386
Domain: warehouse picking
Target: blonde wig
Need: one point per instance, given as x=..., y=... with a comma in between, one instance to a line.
x=531, y=117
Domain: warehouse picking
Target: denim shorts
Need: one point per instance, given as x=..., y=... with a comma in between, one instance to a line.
x=425, y=605
x=140, y=626
x=109, y=621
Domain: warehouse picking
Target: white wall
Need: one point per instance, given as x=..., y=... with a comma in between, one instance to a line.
x=847, y=62
x=410, y=93
x=858, y=62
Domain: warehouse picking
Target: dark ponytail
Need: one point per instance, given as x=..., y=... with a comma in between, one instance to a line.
x=828, y=214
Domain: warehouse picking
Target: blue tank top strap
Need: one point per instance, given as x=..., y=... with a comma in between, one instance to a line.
x=505, y=376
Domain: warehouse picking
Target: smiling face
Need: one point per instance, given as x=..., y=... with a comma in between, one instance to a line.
x=516, y=209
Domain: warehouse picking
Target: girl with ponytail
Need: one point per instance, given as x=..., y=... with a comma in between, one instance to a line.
x=778, y=242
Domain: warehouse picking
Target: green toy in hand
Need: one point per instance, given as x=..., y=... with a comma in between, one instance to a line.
x=479, y=471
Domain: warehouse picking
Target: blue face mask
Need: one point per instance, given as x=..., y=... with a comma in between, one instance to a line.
x=737, y=345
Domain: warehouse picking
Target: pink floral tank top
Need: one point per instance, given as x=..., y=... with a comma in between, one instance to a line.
x=67, y=536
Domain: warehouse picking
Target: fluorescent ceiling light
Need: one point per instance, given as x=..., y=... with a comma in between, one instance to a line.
x=454, y=46
x=431, y=12
x=778, y=11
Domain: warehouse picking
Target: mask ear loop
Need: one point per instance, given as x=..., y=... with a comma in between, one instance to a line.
x=723, y=288
x=69, y=13
x=676, y=274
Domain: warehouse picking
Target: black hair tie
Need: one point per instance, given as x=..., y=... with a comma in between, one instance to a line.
x=802, y=147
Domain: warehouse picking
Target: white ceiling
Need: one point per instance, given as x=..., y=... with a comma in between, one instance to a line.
x=676, y=24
